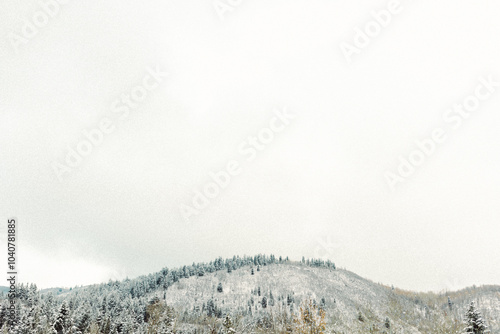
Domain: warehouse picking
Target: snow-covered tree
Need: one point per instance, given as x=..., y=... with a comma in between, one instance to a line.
x=474, y=321
x=3, y=315
x=264, y=302
x=62, y=319
x=83, y=322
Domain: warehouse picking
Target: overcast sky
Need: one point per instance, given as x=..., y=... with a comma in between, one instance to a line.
x=318, y=189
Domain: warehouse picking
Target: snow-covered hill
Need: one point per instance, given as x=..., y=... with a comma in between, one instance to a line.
x=257, y=294
x=352, y=303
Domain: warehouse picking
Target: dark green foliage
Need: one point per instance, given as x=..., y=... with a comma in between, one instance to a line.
x=61, y=322
x=474, y=321
x=264, y=302
x=322, y=303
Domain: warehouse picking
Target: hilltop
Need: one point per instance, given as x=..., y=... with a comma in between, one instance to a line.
x=258, y=294
x=352, y=304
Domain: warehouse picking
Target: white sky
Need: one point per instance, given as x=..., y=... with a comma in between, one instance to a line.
x=317, y=190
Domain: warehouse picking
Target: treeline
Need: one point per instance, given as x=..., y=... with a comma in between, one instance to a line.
x=131, y=305
x=166, y=277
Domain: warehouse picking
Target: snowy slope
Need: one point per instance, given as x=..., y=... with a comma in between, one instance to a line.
x=346, y=295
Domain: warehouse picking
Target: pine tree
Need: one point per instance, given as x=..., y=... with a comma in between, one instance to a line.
x=264, y=302
x=211, y=308
x=84, y=322
x=61, y=322
x=22, y=326
x=3, y=315
x=271, y=299
x=322, y=303
x=219, y=287
x=474, y=321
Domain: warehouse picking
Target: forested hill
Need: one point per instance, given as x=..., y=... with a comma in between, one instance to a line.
x=264, y=294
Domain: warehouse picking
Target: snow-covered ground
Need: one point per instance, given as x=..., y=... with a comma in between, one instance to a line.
x=345, y=293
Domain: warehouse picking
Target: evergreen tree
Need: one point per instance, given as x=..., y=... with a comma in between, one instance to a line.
x=3, y=316
x=84, y=322
x=62, y=320
x=474, y=321
x=219, y=288
x=211, y=308
x=322, y=303
x=264, y=302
